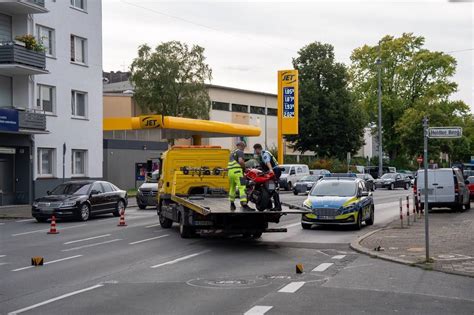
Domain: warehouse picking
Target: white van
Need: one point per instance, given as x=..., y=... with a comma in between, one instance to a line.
x=446, y=188
x=291, y=174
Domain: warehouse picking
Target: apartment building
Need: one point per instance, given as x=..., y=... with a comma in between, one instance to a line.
x=50, y=95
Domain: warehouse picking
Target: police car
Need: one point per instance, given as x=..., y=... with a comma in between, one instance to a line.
x=340, y=200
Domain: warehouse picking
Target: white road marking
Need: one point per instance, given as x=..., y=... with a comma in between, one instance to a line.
x=292, y=287
x=1, y=256
x=258, y=310
x=49, y=262
x=291, y=225
x=148, y=239
x=91, y=245
x=150, y=226
x=338, y=256
x=86, y=239
x=46, y=230
x=55, y=299
x=180, y=259
x=323, y=267
x=1, y=223
x=25, y=220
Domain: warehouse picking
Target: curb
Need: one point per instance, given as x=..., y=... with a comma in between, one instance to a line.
x=355, y=245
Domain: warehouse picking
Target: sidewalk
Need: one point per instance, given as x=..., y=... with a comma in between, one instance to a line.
x=451, y=242
x=15, y=212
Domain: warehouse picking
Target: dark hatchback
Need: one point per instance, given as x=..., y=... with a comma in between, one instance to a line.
x=80, y=200
x=305, y=184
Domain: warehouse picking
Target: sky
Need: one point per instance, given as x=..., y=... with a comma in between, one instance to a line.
x=247, y=42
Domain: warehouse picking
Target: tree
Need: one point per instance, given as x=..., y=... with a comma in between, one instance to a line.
x=171, y=80
x=329, y=122
x=414, y=81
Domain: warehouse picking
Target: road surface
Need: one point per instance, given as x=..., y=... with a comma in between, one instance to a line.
x=96, y=268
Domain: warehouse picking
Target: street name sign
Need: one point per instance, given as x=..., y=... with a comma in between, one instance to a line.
x=444, y=132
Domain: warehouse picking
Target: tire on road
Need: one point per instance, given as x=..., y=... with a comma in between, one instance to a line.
x=84, y=212
x=306, y=226
x=358, y=224
x=41, y=220
x=407, y=186
x=141, y=207
x=184, y=230
x=370, y=220
x=118, y=208
x=391, y=187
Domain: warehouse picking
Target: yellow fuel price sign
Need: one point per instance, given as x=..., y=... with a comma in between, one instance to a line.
x=288, y=101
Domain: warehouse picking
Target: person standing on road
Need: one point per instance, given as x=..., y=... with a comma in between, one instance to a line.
x=268, y=163
x=236, y=167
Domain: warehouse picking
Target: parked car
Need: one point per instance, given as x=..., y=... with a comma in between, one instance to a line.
x=291, y=174
x=368, y=180
x=392, y=181
x=319, y=172
x=147, y=192
x=339, y=200
x=408, y=177
x=470, y=186
x=446, y=188
x=305, y=184
x=80, y=200
x=374, y=170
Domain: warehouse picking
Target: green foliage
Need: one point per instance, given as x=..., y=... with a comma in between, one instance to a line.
x=415, y=81
x=30, y=43
x=170, y=80
x=329, y=122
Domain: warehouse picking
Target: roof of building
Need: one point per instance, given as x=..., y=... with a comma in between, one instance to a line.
x=120, y=87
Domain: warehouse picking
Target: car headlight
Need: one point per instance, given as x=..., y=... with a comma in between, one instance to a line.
x=307, y=204
x=348, y=209
x=65, y=204
x=35, y=204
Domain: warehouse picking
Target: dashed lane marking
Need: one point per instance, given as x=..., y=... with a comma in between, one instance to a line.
x=91, y=245
x=148, y=239
x=171, y=262
x=292, y=287
x=48, y=262
x=258, y=310
x=338, y=257
x=150, y=226
x=46, y=230
x=25, y=220
x=1, y=256
x=87, y=239
x=323, y=267
x=291, y=225
x=55, y=299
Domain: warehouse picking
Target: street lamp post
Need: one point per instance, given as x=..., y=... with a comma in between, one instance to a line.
x=379, y=96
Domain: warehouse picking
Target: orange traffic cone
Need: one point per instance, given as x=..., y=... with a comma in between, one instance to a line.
x=52, y=229
x=122, y=219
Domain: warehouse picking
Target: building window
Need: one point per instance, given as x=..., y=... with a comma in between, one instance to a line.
x=78, y=49
x=45, y=36
x=240, y=108
x=79, y=4
x=79, y=104
x=45, y=98
x=46, y=161
x=78, y=162
x=257, y=110
x=220, y=106
x=272, y=112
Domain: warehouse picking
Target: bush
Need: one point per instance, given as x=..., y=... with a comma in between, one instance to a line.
x=30, y=43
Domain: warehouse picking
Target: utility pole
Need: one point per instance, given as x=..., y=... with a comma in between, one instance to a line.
x=425, y=162
x=379, y=96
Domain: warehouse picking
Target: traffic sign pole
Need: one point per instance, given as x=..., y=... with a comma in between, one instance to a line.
x=425, y=160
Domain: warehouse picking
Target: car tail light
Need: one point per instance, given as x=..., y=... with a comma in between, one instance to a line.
x=456, y=185
x=414, y=188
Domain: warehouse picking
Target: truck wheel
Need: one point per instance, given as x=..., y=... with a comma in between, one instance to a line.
x=306, y=226
x=184, y=230
x=165, y=222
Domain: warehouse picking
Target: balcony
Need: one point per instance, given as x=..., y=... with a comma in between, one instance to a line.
x=17, y=60
x=16, y=7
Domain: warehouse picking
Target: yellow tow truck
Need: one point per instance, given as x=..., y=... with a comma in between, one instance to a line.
x=193, y=184
x=192, y=192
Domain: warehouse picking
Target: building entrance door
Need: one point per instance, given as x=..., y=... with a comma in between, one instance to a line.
x=7, y=178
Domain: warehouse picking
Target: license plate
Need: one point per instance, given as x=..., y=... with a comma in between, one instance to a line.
x=326, y=217
x=203, y=223
x=271, y=186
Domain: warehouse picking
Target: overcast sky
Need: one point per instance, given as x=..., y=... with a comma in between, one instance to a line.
x=246, y=42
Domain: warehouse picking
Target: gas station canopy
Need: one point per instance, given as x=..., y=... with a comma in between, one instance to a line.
x=178, y=127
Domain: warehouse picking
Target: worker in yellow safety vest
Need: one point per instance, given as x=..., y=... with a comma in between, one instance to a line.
x=236, y=167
